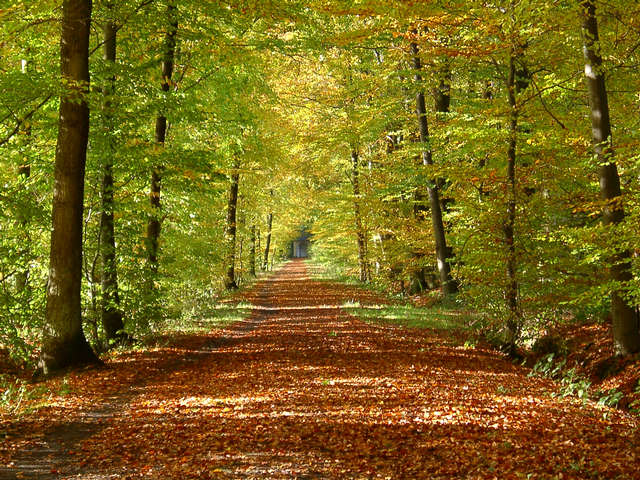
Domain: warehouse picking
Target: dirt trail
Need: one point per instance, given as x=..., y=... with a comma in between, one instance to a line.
x=303, y=390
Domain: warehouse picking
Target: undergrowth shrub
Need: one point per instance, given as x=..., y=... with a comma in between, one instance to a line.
x=573, y=384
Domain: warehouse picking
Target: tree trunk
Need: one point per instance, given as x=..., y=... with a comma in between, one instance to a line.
x=258, y=246
x=273, y=254
x=265, y=263
x=24, y=172
x=63, y=341
x=154, y=225
x=449, y=286
x=487, y=90
x=230, y=233
x=442, y=93
x=360, y=234
x=625, y=321
x=111, y=313
x=252, y=252
x=511, y=292
x=442, y=104
x=240, y=268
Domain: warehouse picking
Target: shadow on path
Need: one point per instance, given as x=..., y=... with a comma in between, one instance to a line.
x=301, y=389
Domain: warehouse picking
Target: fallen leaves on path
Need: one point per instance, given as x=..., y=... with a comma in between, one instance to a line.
x=303, y=390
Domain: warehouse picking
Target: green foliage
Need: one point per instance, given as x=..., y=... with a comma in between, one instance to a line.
x=609, y=398
x=202, y=319
x=12, y=395
x=14, y=392
x=65, y=388
x=634, y=406
x=573, y=384
x=548, y=367
x=570, y=382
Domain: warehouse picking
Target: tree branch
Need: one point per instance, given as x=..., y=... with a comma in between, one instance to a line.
x=21, y=121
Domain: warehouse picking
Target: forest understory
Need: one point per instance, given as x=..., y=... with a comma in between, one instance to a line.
x=301, y=388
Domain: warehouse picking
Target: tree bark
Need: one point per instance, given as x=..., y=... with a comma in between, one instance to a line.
x=111, y=314
x=449, y=286
x=273, y=254
x=238, y=256
x=63, y=341
x=511, y=291
x=442, y=100
x=442, y=93
x=230, y=233
x=360, y=234
x=625, y=319
x=258, y=246
x=154, y=225
x=24, y=172
x=252, y=252
x=265, y=263
x=442, y=104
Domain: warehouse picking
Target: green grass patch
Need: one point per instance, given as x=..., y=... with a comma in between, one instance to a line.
x=437, y=317
x=18, y=397
x=324, y=273
x=445, y=314
x=216, y=316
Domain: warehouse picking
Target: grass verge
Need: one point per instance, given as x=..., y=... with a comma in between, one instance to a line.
x=216, y=316
x=437, y=317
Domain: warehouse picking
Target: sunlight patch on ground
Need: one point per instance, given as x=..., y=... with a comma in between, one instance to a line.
x=295, y=308
x=478, y=373
x=203, y=401
x=358, y=381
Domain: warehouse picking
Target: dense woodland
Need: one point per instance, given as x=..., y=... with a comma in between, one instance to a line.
x=156, y=153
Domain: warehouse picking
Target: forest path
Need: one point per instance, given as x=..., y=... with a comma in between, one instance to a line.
x=302, y=389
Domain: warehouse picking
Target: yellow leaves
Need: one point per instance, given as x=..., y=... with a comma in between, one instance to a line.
x=353, y=36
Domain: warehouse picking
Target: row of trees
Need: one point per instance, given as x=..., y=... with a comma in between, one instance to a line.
x=159, y=196
x=498, y=121
x=427, y=143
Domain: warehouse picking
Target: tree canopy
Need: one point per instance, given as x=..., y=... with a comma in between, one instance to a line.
x=530, y=122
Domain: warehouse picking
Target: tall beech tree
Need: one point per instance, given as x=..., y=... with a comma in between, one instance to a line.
x=63, y=341
x=267, y=243
x=24, y=172
x=232, y=228
x=168, y=59
x=442, y=250
x=625, y=319
x=252, y=252
x=361, y=237
x=442, y=105
x=111, y=312
x=513, y=322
